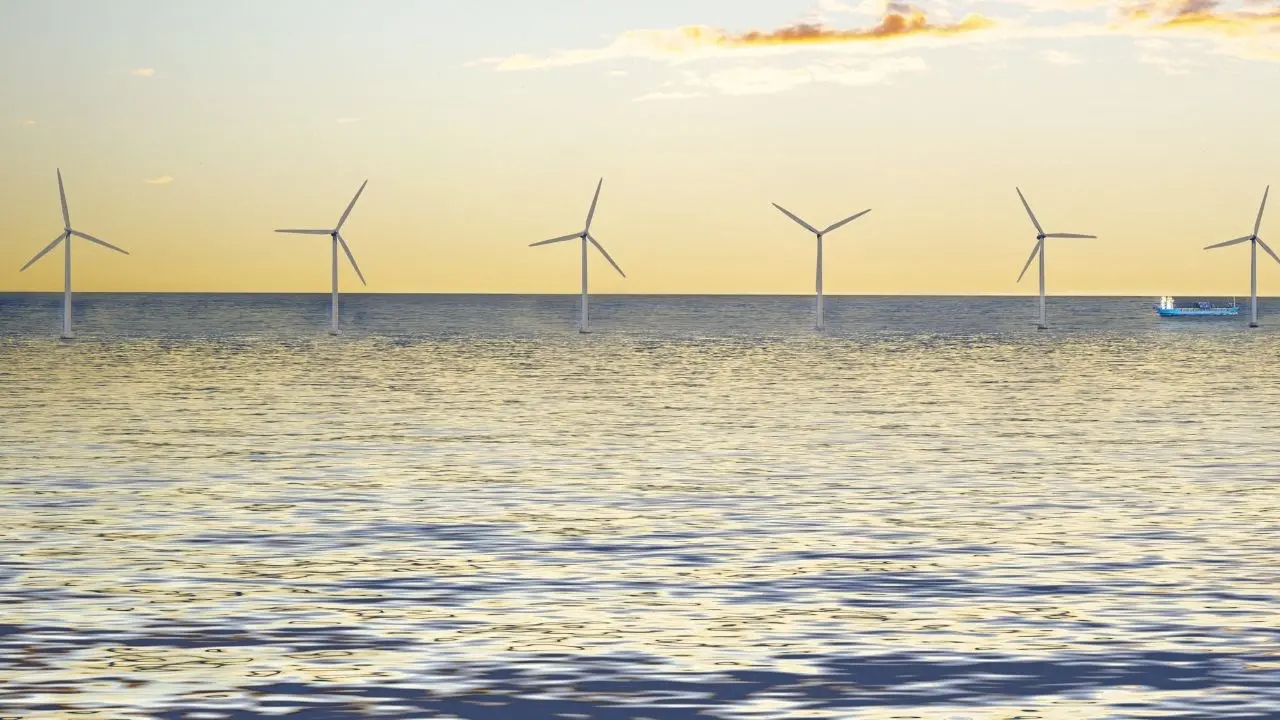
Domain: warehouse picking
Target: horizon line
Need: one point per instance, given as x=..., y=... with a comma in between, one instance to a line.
x=809, y=295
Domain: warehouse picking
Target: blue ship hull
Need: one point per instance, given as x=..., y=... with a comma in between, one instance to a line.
x=1197, y=312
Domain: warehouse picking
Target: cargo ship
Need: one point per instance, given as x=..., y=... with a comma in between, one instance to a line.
x=1168, y=307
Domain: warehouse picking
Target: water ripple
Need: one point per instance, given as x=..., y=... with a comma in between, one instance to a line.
x=461, y=508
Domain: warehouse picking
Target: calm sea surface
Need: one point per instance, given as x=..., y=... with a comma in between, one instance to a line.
x=462, y=508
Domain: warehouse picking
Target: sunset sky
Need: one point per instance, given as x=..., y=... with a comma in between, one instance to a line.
x=186, y=131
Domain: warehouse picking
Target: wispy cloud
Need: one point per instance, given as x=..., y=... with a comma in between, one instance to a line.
x=1234, y=18
x=162, y=180
x=1164, y=55
x=668, y=95
x=1204, y=16
x=27, y=122
x=1059, y=57
x=824, y=7
x=1241, y=24
x=699, y=41
x=1061, y=6
x=143, y=72
x=1251, y=30
x=764, y=80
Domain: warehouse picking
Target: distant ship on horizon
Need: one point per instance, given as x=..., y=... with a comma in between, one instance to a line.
x=1169, y=307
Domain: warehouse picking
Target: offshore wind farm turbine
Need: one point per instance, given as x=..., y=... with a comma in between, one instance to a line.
x=65, y=237
x=1254, y=242
x=336, y=235
x=819, y=323
x=586, y=237
x=1041, y=236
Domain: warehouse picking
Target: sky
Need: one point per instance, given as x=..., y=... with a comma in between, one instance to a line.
x=187, y=131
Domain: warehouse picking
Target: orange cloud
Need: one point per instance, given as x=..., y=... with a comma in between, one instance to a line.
x=894, y=24
x=1233, y=23
x=1251, y=32
x=1150, y=9
x=899, y=23
x=1201, y=15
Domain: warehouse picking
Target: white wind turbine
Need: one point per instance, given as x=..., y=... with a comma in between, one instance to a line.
x=336, y=234
x=1041, y=236
x=1255, y=241
x=65, y=237
x=819, y=324
x=586, y=237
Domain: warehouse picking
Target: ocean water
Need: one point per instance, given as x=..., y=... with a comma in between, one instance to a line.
x=462, y=508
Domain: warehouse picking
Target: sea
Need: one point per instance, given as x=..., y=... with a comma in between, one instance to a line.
x=463, y=508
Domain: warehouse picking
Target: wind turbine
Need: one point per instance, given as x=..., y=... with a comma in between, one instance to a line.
x=586, y=237
x=820, y=233
x=1254, y=241
x=65, y=237
x=336, y=234
x=1041, y=236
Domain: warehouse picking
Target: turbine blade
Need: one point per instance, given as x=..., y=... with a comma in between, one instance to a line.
x=605, y=253
x=1030, y=214
x=1257, y=225
x=1269, y=251
x=574, y=236
x=62, y=236
x=307, y=232
x=592, y=212
x=352, y=258
x=793, y=216
x=343, y=219
x=1034, y=250
x=845, y=221
x=62, y=194
x=1071, y=235
x=93, y=239
x=1237, y=241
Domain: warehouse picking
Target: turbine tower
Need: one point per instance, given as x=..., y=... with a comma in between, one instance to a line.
x=819, y=323
x=336, y=234
x=65, y=237
x=1254, y=241
x=1041, y=236
x=586, y=237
